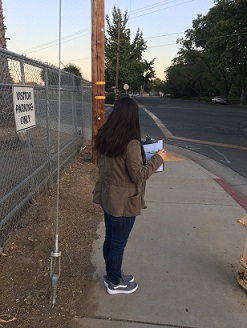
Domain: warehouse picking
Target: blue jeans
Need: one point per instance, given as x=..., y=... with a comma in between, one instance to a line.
x=117, y=230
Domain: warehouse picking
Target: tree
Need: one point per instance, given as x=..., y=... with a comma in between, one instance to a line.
x=209, y=34
x=240, y=56
x=221, y=37
x=158, y=86
x=196, y=79
x=124, y=56
x=53, y=75
x=213, y=55
x=6, y=101
x=148, y=75
x=71, y=68
x=177, y=80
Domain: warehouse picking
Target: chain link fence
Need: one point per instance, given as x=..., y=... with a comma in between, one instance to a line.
x=28, y=159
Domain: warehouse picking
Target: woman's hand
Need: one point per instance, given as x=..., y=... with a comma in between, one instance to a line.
x=162, y=154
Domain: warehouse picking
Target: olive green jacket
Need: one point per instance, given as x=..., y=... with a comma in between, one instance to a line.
x=121, y=182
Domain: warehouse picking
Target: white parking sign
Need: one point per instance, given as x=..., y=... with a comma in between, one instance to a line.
x=24, y=110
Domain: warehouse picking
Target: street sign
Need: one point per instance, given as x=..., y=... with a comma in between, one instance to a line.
x=24, y=111
x=126, y=87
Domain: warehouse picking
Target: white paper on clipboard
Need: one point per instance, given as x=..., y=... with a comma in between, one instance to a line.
x=151, y=149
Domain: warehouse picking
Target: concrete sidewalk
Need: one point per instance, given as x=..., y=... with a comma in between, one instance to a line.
x=184, y=253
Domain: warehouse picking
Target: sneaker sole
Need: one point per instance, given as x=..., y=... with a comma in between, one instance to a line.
x=121, y=291
x=107, y=285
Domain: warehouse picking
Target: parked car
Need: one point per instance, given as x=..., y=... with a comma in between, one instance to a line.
x=219, y=100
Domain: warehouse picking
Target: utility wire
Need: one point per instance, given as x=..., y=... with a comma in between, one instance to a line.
x=162, y=35
x=78, y=37
x=132, y=12
x=136, y=11
x=56, y=42
x=179, y=4
x=158, y=4
x=150, y=6
x=203, y=39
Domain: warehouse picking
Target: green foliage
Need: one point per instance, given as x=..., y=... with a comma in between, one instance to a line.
x=52, y=74
x=158, y=86
x=110, y=98
x=213, y=55
x=133, y=69
x=71, y=68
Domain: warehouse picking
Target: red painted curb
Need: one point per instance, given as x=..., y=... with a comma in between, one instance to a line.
x=240, y=200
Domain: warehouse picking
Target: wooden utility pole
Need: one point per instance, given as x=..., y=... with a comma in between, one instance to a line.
x=98, y=69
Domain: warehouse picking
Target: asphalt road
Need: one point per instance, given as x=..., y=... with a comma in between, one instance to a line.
x=216, y=131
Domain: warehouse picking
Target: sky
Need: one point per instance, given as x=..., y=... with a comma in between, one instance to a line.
x=33, y=28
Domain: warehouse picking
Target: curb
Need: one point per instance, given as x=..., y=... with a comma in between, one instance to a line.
x=231, y=181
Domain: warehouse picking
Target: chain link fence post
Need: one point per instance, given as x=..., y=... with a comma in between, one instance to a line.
x=28, y=159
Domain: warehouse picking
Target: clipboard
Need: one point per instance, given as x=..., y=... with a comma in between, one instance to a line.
x=151, y=149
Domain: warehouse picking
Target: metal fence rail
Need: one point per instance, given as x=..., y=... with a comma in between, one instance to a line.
x=28, y=159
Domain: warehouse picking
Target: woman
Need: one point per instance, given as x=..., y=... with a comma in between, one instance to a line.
x=119, y=189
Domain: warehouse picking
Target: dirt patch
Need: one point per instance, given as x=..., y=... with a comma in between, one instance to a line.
x=25, y=287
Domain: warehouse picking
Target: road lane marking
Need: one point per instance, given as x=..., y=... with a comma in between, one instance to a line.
x=212, y=143
x=169, y=135
x=162, y=127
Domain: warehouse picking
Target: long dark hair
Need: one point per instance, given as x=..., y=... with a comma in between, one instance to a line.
x=121, y=127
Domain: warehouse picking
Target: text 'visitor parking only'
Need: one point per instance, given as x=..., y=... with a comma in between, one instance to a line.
x=23, y=99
